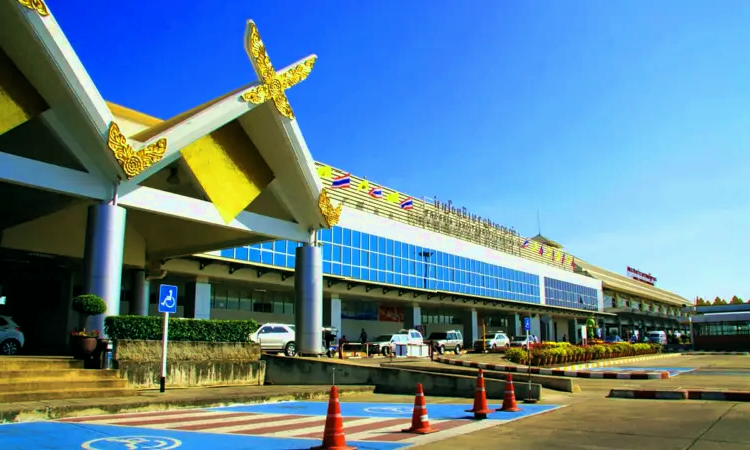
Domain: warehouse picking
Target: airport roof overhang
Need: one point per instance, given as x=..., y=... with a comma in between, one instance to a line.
x=56, y=135
x=403, y=293
x=619, y=283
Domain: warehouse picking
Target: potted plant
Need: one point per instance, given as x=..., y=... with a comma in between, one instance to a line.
x=84, y=343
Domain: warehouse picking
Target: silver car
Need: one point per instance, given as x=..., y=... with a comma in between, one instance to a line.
x=11, y=337
x=447, y=341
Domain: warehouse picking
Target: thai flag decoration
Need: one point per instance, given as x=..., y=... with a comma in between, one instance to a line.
x=342, y=182
x=376, y=192
x=407, y=204
x=541, y=249
x=563, y=259
x=525, y=243
x=573, y=262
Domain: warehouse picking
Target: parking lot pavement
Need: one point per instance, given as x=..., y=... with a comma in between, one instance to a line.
x=374, y=423
x=604, y=424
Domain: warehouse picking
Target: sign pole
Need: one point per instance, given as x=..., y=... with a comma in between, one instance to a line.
x=167, y=306
x=164, y=341
x=529, y=398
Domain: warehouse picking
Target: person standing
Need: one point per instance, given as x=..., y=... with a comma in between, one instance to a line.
x=363, y=336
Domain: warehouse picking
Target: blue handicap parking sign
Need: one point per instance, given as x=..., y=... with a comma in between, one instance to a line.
x=527, y=323
x=167, y=298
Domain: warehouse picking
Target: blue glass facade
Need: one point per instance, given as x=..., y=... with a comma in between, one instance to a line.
x=372, y=258
x=569, y=295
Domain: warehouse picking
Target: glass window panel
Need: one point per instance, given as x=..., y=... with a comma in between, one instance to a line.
x=337, y=235
x=279, y=246
x=373, y=243
x=365, y=241
x=290, y=261
x=356, y=272
x=347, y=237
x=381, y=262
x=246, y=300
x=241, y=253
x=266, y=258
x=397, y=265
x=326, y=235
x=389, y=247
x=233, y=299
x=278, y=303
x=336, y=254
x=326, y=267
x=381, y=276
x=389, y=263
x=397, y=249
x=336, y=268
x=279, y=259
x=381, y=245
x=356, y=239
x=389, y=278
x=346, y=270
x=412, y=253
x=327, y=252
x=255, y=255
x=356, y=257
x=346, y=255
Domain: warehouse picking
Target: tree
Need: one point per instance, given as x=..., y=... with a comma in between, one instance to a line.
x=719, y=301
x=700, y=302
x=736, y=301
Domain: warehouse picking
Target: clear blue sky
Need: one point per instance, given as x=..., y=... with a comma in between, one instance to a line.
x=627, y=126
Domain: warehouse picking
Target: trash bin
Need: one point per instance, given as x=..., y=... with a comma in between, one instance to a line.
x=106, y=356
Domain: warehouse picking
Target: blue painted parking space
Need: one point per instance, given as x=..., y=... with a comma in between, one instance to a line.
x=673, y=371
x=59, y=436
x=436, y=411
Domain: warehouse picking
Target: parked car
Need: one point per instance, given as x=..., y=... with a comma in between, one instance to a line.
x=11, y=337
x=492, y=341
x=523, y=341
x=276, y=337
x=447, y=340
x=612, y=339
x=657, y=337
x=384, y=343
x=415, y=337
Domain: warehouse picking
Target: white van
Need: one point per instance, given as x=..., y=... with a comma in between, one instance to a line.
x=657, y=337
x=415, y=337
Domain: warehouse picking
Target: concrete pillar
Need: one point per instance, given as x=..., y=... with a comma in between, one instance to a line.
x=141, y=294
x=308, y=287
x=332, y=313
x=514, y=325
x=412, y=316
x=573, y=331
x=547, y=332
x=472, y=328
x=536, y=326
x=197, y=299
x=103, y=252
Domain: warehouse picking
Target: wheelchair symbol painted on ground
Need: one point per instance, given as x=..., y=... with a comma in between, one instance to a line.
x=132, y=443
x=396, y=410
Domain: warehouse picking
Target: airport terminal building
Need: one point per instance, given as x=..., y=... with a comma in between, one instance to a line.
x=104, y=199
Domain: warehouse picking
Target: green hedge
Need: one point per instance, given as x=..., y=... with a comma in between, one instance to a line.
x=150, y=329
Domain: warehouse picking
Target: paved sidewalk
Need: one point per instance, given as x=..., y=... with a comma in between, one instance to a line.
x=172, y=399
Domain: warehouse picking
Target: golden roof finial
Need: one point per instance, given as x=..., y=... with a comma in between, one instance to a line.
x=273, y=84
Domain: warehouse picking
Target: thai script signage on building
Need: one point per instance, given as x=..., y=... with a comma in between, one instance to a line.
x=444, y=217
x=640, y=276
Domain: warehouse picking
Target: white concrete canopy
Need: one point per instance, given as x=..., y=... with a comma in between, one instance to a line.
x=79, y=119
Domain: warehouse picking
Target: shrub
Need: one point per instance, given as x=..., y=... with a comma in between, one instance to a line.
x=515, y=355
x=89, y=305
x=150, y=329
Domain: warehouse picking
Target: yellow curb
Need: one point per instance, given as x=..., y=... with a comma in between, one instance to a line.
x=615, y=362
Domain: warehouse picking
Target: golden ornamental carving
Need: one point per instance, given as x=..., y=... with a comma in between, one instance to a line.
x=36, y=5
x=273, y=84
x=330, y=213
x=134, y=162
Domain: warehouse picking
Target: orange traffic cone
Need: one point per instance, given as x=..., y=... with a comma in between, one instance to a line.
x=420, y=423
x=480, y=408
x=333, y=435
x=509, y=399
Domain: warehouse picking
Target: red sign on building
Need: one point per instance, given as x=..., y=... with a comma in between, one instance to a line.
x=640, y=276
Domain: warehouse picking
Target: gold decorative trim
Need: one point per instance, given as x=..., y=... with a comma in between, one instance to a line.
x=331, y=214
x=134, y=162
x=35, y=5
x=273, y=84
